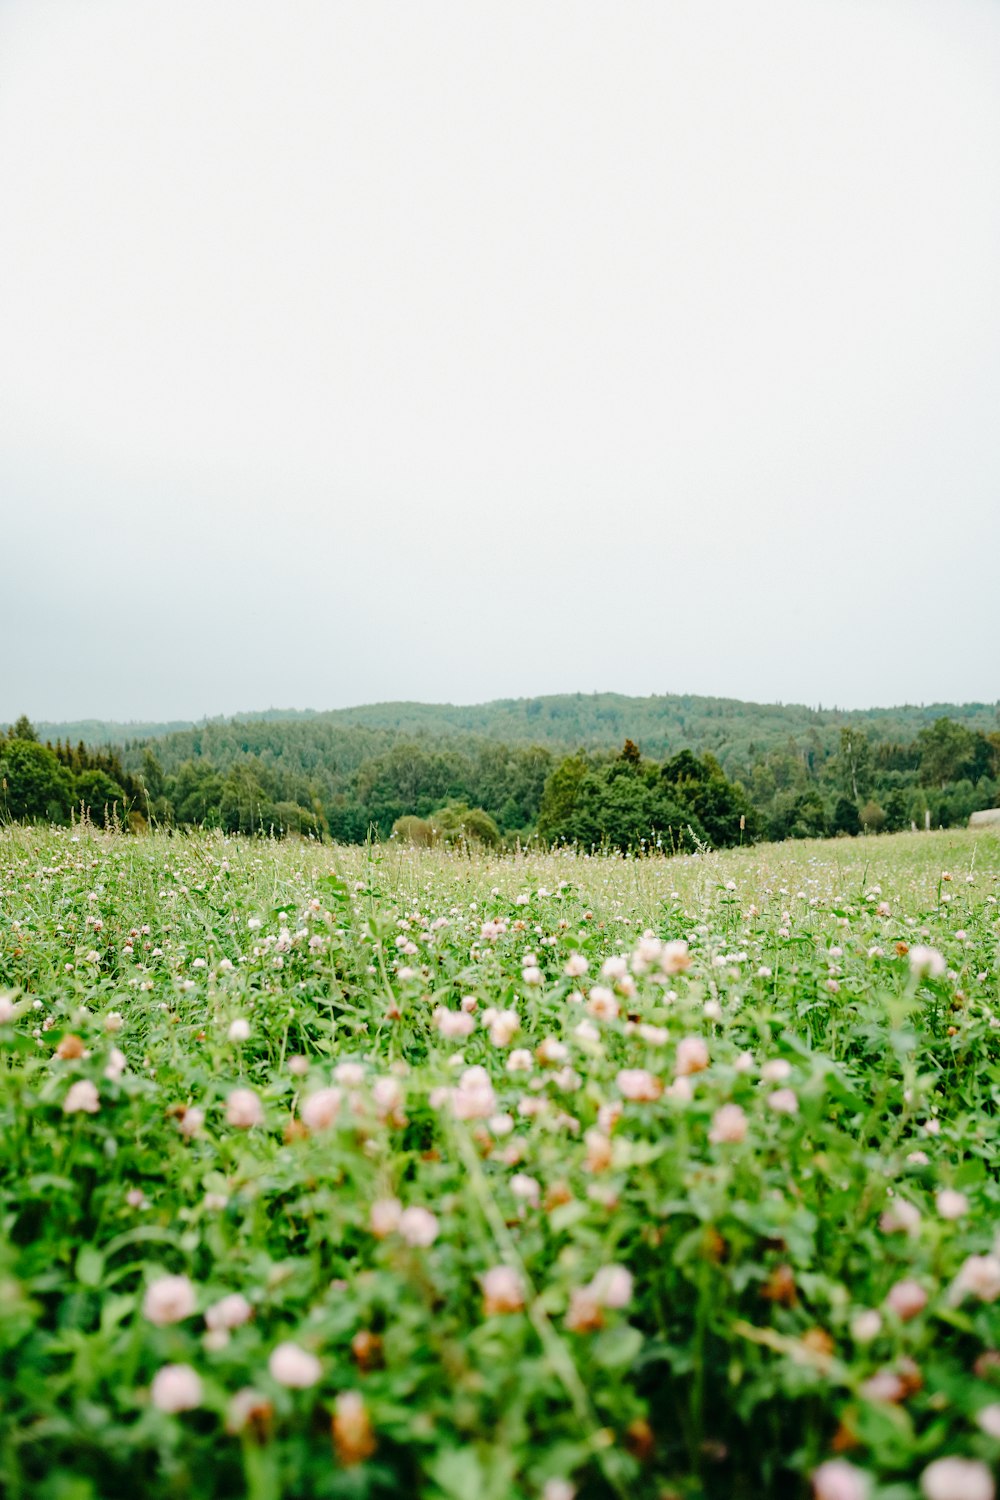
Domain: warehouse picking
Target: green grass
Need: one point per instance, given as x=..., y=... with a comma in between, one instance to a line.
x=751, y=1340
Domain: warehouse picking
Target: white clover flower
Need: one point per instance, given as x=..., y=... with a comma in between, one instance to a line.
x=503, y=1291
x=692, y=1056
x=229, y=1312
x=528, y=1188
x=867, y=1325
x=387, y=1096
x=988, y=1419
x=116, y=1065
x=602, y=1004
x=191, y=1121
x=418, y=1227
x=503, y=1026
x=243, y=1109
x=350, y=1074
x=926, y=961
x=906, y=1299
x=169, y=1299
x=979, y=1276
x=901, y=1217
x=453, y=1023
x=612, y=1286
x=320, y=1108
x=639, y=1085
x=957, y=1479
x=729, y=1125
x=384, y=1217
x=474, y=1098
x=176, y=1388
x=82, y=1098
x=839, y=1480
x=675, y=957
x=292, y=1366
x=558, y=1489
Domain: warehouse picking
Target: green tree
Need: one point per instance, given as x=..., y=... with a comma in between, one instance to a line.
x=948, y=752
x=412, y=830
x=23, y=730
x=559, y=797
x=152, y=775
x=195, y=793
x=460, y=823
x=98, y=794
x=854, y=763
x=33, y=785
x=845, y=816
x=897, y=811
x=244, y=804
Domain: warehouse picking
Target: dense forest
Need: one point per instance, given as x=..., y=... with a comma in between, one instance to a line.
x=735, y=732
x=692, y=771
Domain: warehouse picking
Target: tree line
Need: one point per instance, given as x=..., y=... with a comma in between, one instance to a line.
x=321, y=779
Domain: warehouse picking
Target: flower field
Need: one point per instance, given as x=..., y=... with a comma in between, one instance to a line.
x=382, y=1172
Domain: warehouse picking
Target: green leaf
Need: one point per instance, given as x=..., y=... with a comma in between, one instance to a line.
x=458, y=1473
x=89, y=1266
x=617, y=1348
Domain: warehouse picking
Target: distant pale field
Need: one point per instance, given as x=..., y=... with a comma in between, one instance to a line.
x=333, y=1171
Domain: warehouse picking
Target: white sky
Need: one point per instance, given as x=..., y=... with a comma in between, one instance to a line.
x=355, y=351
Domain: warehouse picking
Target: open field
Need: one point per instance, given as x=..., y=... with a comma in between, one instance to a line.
x=383, y=1172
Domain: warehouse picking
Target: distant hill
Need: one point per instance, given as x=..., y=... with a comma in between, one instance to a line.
x=735, y=731
x=93, y=732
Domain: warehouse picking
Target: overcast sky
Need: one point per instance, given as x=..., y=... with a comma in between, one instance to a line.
x=357, y=351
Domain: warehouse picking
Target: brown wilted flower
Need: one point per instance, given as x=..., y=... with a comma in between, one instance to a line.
x=845, y=1439
x=585, y=1313
x=353, y=1438
x=251, y=1412
x=909, y=1373
x=714, y=1247
x=640, y=1439
x=780, y=1287
x=598, y=1157
x=367, y=1349
x=71, y=1046
x=557, y=1194
x=818, y=1340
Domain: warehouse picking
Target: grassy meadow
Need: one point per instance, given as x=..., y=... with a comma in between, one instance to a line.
x=375, y=1172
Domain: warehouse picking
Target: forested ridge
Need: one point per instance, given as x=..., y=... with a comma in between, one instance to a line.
x=692, y=769
x=662, y=723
